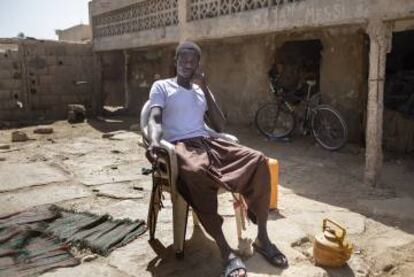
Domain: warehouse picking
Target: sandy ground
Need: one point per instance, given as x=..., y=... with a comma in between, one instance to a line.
x=75, y=167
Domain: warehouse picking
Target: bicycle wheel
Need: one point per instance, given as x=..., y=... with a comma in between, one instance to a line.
x=274, y=121
x=329, y=128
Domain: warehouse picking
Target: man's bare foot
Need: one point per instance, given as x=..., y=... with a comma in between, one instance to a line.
x=234, y=267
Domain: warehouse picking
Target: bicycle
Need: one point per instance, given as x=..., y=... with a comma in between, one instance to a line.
x=277, y=120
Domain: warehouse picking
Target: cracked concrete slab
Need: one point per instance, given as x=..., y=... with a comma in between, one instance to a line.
x=393, y=207
x=260, y=268
x=391, y=238
x=142, y=259
x=86, y=270
x=75, y=147
x=311, y=222
x=133, y=259
x=303, y=203
x=308, y=189
x=126, y=209
x=21, y=200
x=17, y=175
x=118, y=191
x=105, y=172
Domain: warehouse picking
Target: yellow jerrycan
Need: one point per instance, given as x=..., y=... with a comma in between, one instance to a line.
x=274, y=182
x=330, y=248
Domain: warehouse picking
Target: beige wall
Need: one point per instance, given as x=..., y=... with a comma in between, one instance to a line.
x=11, y=80
x=344, y=75
x=102, y=6
x=237, y=74
x=301, y=14
x=113, y=78
x=144, y=68
x=47, y=76
x=237, y=71
x=76, y=33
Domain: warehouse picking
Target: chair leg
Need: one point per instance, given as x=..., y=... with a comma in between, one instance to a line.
x=239, y=216
x=153, y=210
x=196, y=221
x=180, y=215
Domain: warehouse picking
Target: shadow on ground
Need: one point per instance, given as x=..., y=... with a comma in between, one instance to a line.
x=336, y=178
x=112, y=123
x=197, y=248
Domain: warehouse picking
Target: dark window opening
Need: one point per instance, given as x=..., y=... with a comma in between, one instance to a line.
x=399, y=95
x=399, y=84
x=297, y=62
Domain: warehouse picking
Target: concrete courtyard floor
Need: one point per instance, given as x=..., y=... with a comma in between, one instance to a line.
x=76, y=168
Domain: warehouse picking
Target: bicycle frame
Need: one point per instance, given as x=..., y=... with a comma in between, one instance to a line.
x=282, y=99
x=323, y=122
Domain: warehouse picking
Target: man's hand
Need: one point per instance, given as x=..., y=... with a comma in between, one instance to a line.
x=200, y=79
x=214, y=114
x=152, y=151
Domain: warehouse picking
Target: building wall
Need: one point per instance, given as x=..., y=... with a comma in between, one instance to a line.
x=213, y=19
x=11, y=81
x=145, y=67
x=237, y=72
x=113, y=78
x=102, y=6
x=76, y=33
x=237, y=65
x=51, y=76
x=344, y=76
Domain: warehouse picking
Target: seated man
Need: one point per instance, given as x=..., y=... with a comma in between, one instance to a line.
x=178, y=108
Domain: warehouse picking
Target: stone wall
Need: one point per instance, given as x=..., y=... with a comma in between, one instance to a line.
x=237, y=74
x=12, y=100
x=113, y=78
x=81, y=32
x=142, y=68
x=102, y=6
x=344, y=75
x=47, y=76
x=145, y=67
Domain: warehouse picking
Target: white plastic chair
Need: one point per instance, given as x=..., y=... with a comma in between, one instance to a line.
x=165, y=179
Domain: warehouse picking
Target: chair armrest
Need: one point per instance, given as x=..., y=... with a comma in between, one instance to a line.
x=167, y=146
x=227, y=137
x=223, y=136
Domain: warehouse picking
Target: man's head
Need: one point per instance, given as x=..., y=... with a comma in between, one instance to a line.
x=187, y=57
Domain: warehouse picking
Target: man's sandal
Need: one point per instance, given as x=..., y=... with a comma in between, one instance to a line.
x=273, y=256
x=234, y=264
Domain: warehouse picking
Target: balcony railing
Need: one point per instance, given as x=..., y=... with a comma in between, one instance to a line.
x=138, y=17
x=201, y=9
x=152, y=14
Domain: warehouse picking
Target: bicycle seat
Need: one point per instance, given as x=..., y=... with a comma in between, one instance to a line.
x=311, y=82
